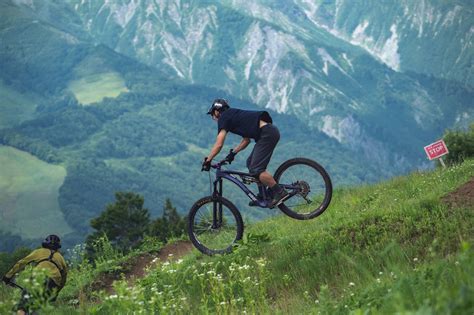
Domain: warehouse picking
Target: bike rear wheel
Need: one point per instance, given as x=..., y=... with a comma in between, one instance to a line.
x=214, y=225
x=309, y=186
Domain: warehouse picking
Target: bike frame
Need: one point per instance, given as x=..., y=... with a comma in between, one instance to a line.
x=229, y=175
x=13, y=284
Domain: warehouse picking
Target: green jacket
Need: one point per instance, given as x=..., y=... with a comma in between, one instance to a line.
x=57, y=273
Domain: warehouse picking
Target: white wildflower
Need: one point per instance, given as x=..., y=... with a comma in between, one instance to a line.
x=261, y=262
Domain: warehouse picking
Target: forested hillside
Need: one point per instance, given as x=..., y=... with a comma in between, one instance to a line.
x=113, y=95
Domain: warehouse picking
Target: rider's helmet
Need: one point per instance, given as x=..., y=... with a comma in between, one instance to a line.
x=219, y=104
x=52, y=242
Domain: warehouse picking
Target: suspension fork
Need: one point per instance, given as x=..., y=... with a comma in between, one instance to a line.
x=217, y=206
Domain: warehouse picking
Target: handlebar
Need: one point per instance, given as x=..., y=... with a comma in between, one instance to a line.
x=219, y=164
x=13, y=284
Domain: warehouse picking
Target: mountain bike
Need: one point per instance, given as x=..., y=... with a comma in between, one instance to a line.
x=25, y=300
x=215, y=224
x=13, y=284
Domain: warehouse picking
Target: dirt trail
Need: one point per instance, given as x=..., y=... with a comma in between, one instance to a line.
x=136, y=268
x=461, y=197
x=169, y=252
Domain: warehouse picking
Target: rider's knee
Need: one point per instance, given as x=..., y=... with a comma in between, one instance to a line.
x=257, y=172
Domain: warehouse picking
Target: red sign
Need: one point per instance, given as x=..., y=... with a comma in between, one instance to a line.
x=436, y=149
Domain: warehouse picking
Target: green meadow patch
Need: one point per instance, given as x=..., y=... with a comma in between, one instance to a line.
x=93, y=88
x=15, y=107
x=29, y=190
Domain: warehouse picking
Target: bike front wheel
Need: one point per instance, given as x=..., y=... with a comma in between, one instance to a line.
x=214, y=225
x=309, y=186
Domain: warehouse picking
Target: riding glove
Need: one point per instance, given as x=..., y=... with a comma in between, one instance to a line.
x=206, y=165
x=230, y=157
x=6, y=280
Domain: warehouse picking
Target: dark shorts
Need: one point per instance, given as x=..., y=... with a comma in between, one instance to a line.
x=258, y=160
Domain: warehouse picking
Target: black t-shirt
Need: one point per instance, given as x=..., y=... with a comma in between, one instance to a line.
x=244, y=123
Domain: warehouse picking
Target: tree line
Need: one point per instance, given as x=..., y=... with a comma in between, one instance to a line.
x=126, y=222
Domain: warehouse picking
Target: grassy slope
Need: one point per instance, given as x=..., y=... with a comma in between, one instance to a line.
x=93, y=88
x=381, y=249
x=368, y=235
x=30, y=187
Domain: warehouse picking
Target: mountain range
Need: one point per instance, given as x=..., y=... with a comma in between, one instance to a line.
x=115, y=92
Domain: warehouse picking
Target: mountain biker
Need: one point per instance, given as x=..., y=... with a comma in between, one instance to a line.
x=257, y=125
x=48, y=258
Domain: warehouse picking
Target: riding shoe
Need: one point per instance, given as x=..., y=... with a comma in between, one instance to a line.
x=278, y=198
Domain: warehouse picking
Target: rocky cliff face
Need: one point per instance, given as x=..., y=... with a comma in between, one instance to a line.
x=347, y=70
x=427, y=36
x=340, y=67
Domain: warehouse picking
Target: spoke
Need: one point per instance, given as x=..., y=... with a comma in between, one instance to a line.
x=202, y=232
x=202, y=228
x=215, y=238
x=312, y=185
x=201, y=215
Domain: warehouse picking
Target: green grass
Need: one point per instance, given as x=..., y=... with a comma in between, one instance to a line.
x=15, y=107
x=390, y=248
x=95, y=87
x=29, y=189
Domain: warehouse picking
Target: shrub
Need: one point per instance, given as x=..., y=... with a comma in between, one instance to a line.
x=460, y=145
